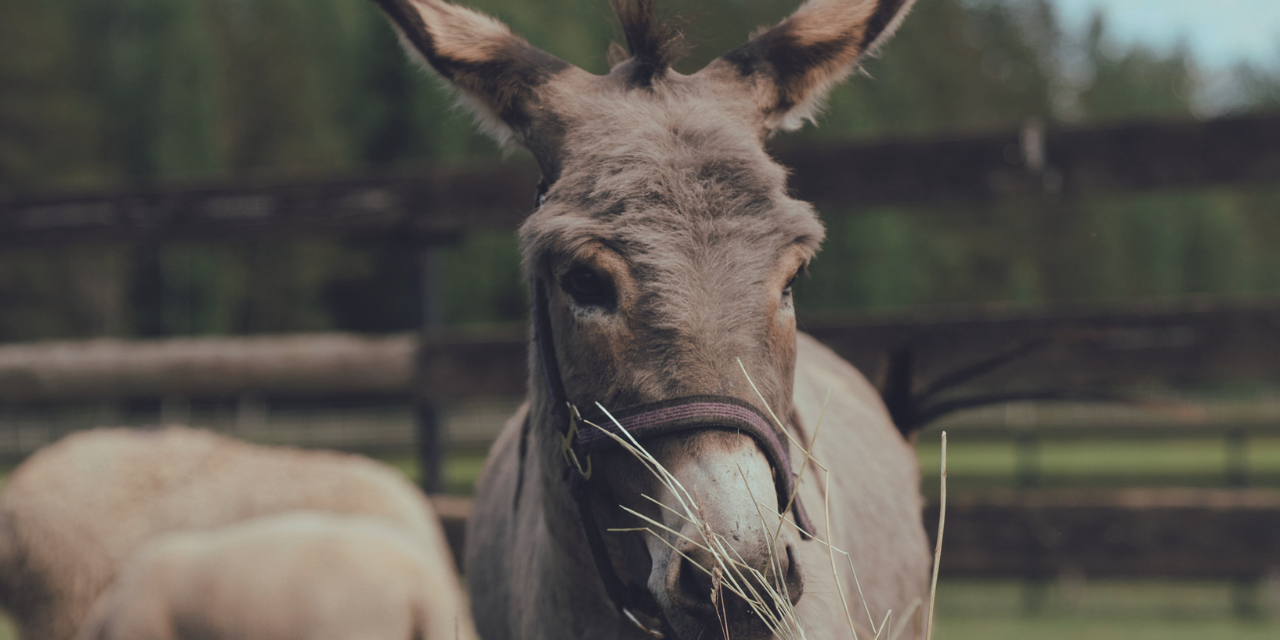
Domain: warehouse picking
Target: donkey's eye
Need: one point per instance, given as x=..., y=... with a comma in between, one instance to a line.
x=587, y=287
x=786, y=291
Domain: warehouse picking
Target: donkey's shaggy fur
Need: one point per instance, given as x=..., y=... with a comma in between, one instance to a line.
x=297, y=576
x=76, y=511
x=662, y=256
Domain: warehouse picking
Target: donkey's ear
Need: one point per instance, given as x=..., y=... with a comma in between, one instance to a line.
x=791, y=67
x=498, y=73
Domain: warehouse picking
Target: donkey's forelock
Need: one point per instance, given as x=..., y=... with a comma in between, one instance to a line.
x=653, y=46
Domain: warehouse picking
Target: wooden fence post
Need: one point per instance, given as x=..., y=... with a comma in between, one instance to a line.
x=1237, y=458
x=174, y=410
x=1027, y=461
x=1245, y=598
x=251, y=416
x=426, y=413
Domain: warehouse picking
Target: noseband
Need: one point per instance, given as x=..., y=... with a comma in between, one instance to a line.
x=585, y=434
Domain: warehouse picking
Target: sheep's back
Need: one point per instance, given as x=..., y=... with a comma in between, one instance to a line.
x=307, y=575
x=77, y=510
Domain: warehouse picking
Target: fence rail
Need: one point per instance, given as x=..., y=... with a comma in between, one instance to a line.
x=1121, y=346
x=1064, y=349
x=1134, y=533
x=1131, y=533
x=437, y=203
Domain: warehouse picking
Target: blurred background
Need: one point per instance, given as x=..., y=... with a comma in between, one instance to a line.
x=101, y=95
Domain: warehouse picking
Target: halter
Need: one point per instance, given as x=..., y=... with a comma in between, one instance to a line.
x=641, y=422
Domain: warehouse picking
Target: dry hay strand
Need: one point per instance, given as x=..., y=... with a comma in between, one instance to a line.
x=730, y=574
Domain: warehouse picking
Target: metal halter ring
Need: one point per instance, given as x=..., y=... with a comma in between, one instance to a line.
x=566, y=444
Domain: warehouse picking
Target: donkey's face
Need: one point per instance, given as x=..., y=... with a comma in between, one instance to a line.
x=669, y=247
x=666, y=247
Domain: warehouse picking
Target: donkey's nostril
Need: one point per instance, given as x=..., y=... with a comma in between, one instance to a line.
x=689, y=587
x=694, y=583
x=794, y=578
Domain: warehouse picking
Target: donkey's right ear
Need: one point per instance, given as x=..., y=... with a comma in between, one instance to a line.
x=498, y=73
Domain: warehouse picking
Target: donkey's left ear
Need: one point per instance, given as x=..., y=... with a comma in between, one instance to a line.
x=498, y=73
x=791, y=68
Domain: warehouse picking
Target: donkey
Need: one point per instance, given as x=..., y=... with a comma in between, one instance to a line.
x=661, y=257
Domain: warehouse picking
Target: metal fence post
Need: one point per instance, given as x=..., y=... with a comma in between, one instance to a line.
x=427, y=414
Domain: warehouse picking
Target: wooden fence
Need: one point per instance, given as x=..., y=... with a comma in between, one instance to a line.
x=1002, y=354
x=436, y=204
x=1073, y=349
x=1193, y=534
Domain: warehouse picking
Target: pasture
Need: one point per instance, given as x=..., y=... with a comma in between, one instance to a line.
x=1126, y=611
x=986, y=465
x=1055, y=248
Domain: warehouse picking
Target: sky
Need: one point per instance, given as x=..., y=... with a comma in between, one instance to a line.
x=1219, y=32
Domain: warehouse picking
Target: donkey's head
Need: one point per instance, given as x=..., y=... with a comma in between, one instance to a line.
x=662, y=253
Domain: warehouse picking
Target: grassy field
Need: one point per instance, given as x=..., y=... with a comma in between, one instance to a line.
x=1082, y=628
x=1189, y=463
x=1000, y=610
x=977, y=465
x=995, y=610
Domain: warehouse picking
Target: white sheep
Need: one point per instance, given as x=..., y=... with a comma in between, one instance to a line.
x=296, y=576
x=76, y=511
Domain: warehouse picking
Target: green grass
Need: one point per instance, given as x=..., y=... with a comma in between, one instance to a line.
x=1077, y=628
x=1101, y=610
x=460, y=471
x=995, y=610
x=978, y=465
x=1181, y=462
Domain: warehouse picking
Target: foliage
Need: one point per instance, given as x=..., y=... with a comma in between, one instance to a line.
x=102, y=92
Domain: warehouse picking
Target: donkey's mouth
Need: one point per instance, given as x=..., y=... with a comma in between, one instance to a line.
x=707, y=606
x=724, y=626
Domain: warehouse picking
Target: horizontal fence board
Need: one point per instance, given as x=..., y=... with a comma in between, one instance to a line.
x=1170, y=429
x=1130, y=533
x=1079, y=347
x=1115, y=347
x=434, y=203
x=314, y=365
x=1074, y=161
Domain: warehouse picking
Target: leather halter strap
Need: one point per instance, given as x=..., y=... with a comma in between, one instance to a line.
x=641, y=422
x=698, y=413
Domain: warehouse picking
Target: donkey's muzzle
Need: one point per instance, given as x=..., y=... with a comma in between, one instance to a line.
x=697, y=413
